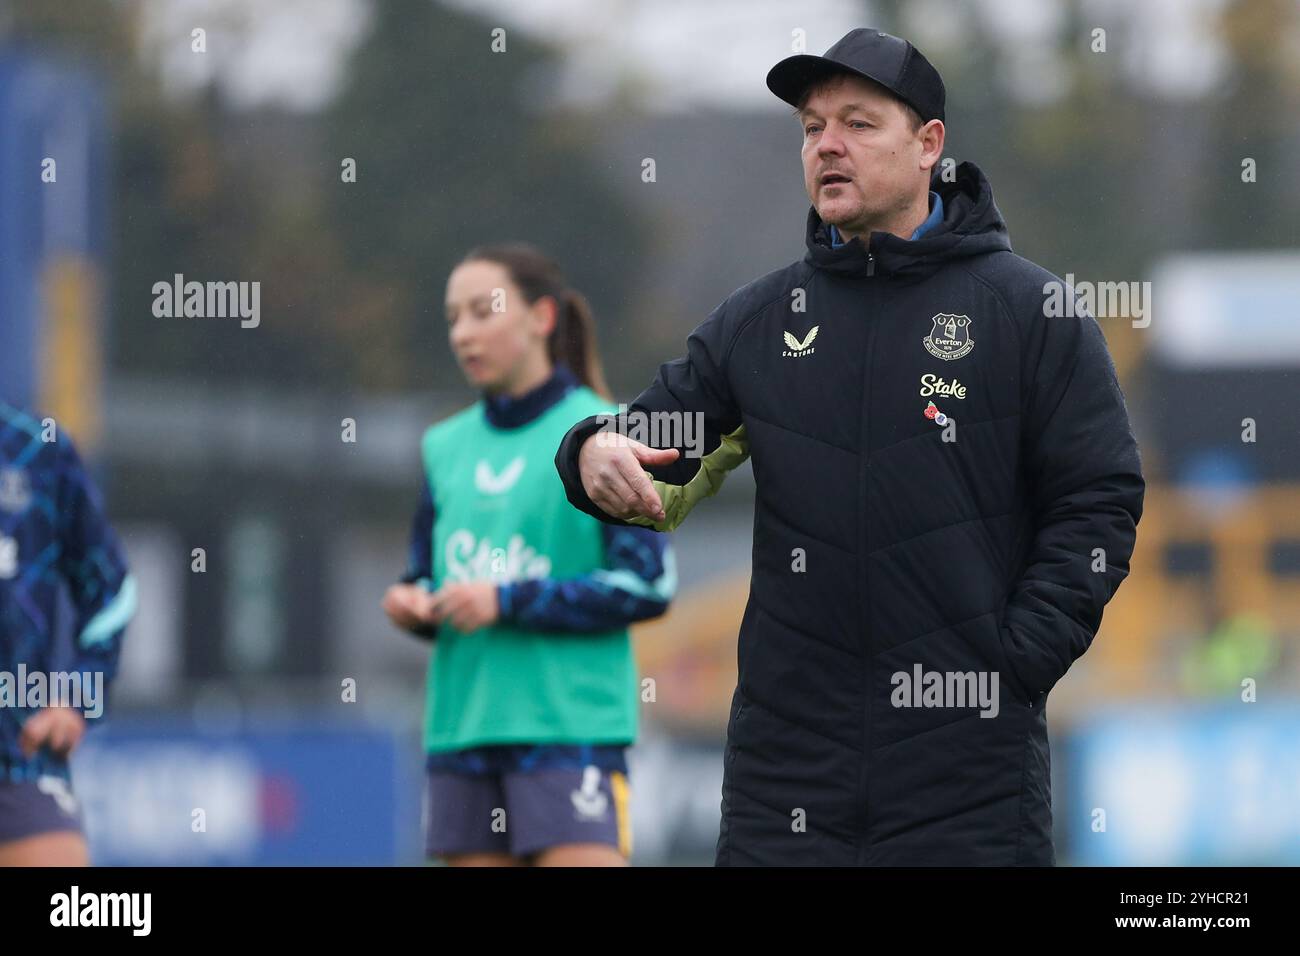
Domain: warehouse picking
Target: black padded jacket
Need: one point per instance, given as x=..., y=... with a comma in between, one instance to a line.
x=947, y=494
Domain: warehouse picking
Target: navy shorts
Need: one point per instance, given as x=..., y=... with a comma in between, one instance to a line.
x=521, y=799
x=32, y=807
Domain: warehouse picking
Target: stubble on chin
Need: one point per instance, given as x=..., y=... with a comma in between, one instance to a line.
x=840, y=215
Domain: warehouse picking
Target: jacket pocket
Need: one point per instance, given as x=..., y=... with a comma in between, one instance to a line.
x=1016, y=690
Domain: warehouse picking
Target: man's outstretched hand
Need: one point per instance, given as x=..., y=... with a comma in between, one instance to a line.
x=613, y=475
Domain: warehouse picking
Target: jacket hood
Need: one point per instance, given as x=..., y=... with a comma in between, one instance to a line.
x=971, y=226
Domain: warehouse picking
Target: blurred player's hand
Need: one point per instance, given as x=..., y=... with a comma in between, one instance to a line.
x=614, y=478
x=408, y=606
x=59, y=728
x=467, y=605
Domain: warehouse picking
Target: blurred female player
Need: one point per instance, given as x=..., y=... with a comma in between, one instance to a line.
x=53, y=535
x=532, y=689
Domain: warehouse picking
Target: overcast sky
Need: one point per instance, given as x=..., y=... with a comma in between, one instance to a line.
x=679, y=53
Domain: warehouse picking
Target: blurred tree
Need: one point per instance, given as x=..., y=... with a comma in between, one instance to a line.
x=455, y=146
x=1112, y=174
x=1252, y=117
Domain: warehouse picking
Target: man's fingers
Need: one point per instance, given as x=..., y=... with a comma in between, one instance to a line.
x=616, y=481
x=653, y=456
x=645, y=500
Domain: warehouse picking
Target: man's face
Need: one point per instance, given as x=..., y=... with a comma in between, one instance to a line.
x=862, y=161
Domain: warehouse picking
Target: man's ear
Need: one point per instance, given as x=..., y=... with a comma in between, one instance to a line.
x=932, y=136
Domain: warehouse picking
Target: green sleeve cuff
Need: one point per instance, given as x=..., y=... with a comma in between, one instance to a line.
x=678, y=500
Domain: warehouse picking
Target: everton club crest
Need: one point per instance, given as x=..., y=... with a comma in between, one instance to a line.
x=950, y=338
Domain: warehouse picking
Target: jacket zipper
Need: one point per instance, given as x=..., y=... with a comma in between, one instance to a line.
x=865, y=607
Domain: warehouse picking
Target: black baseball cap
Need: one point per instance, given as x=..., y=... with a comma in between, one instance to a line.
x=888, y=60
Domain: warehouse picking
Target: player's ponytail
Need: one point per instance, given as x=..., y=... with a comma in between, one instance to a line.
x=573, y=340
